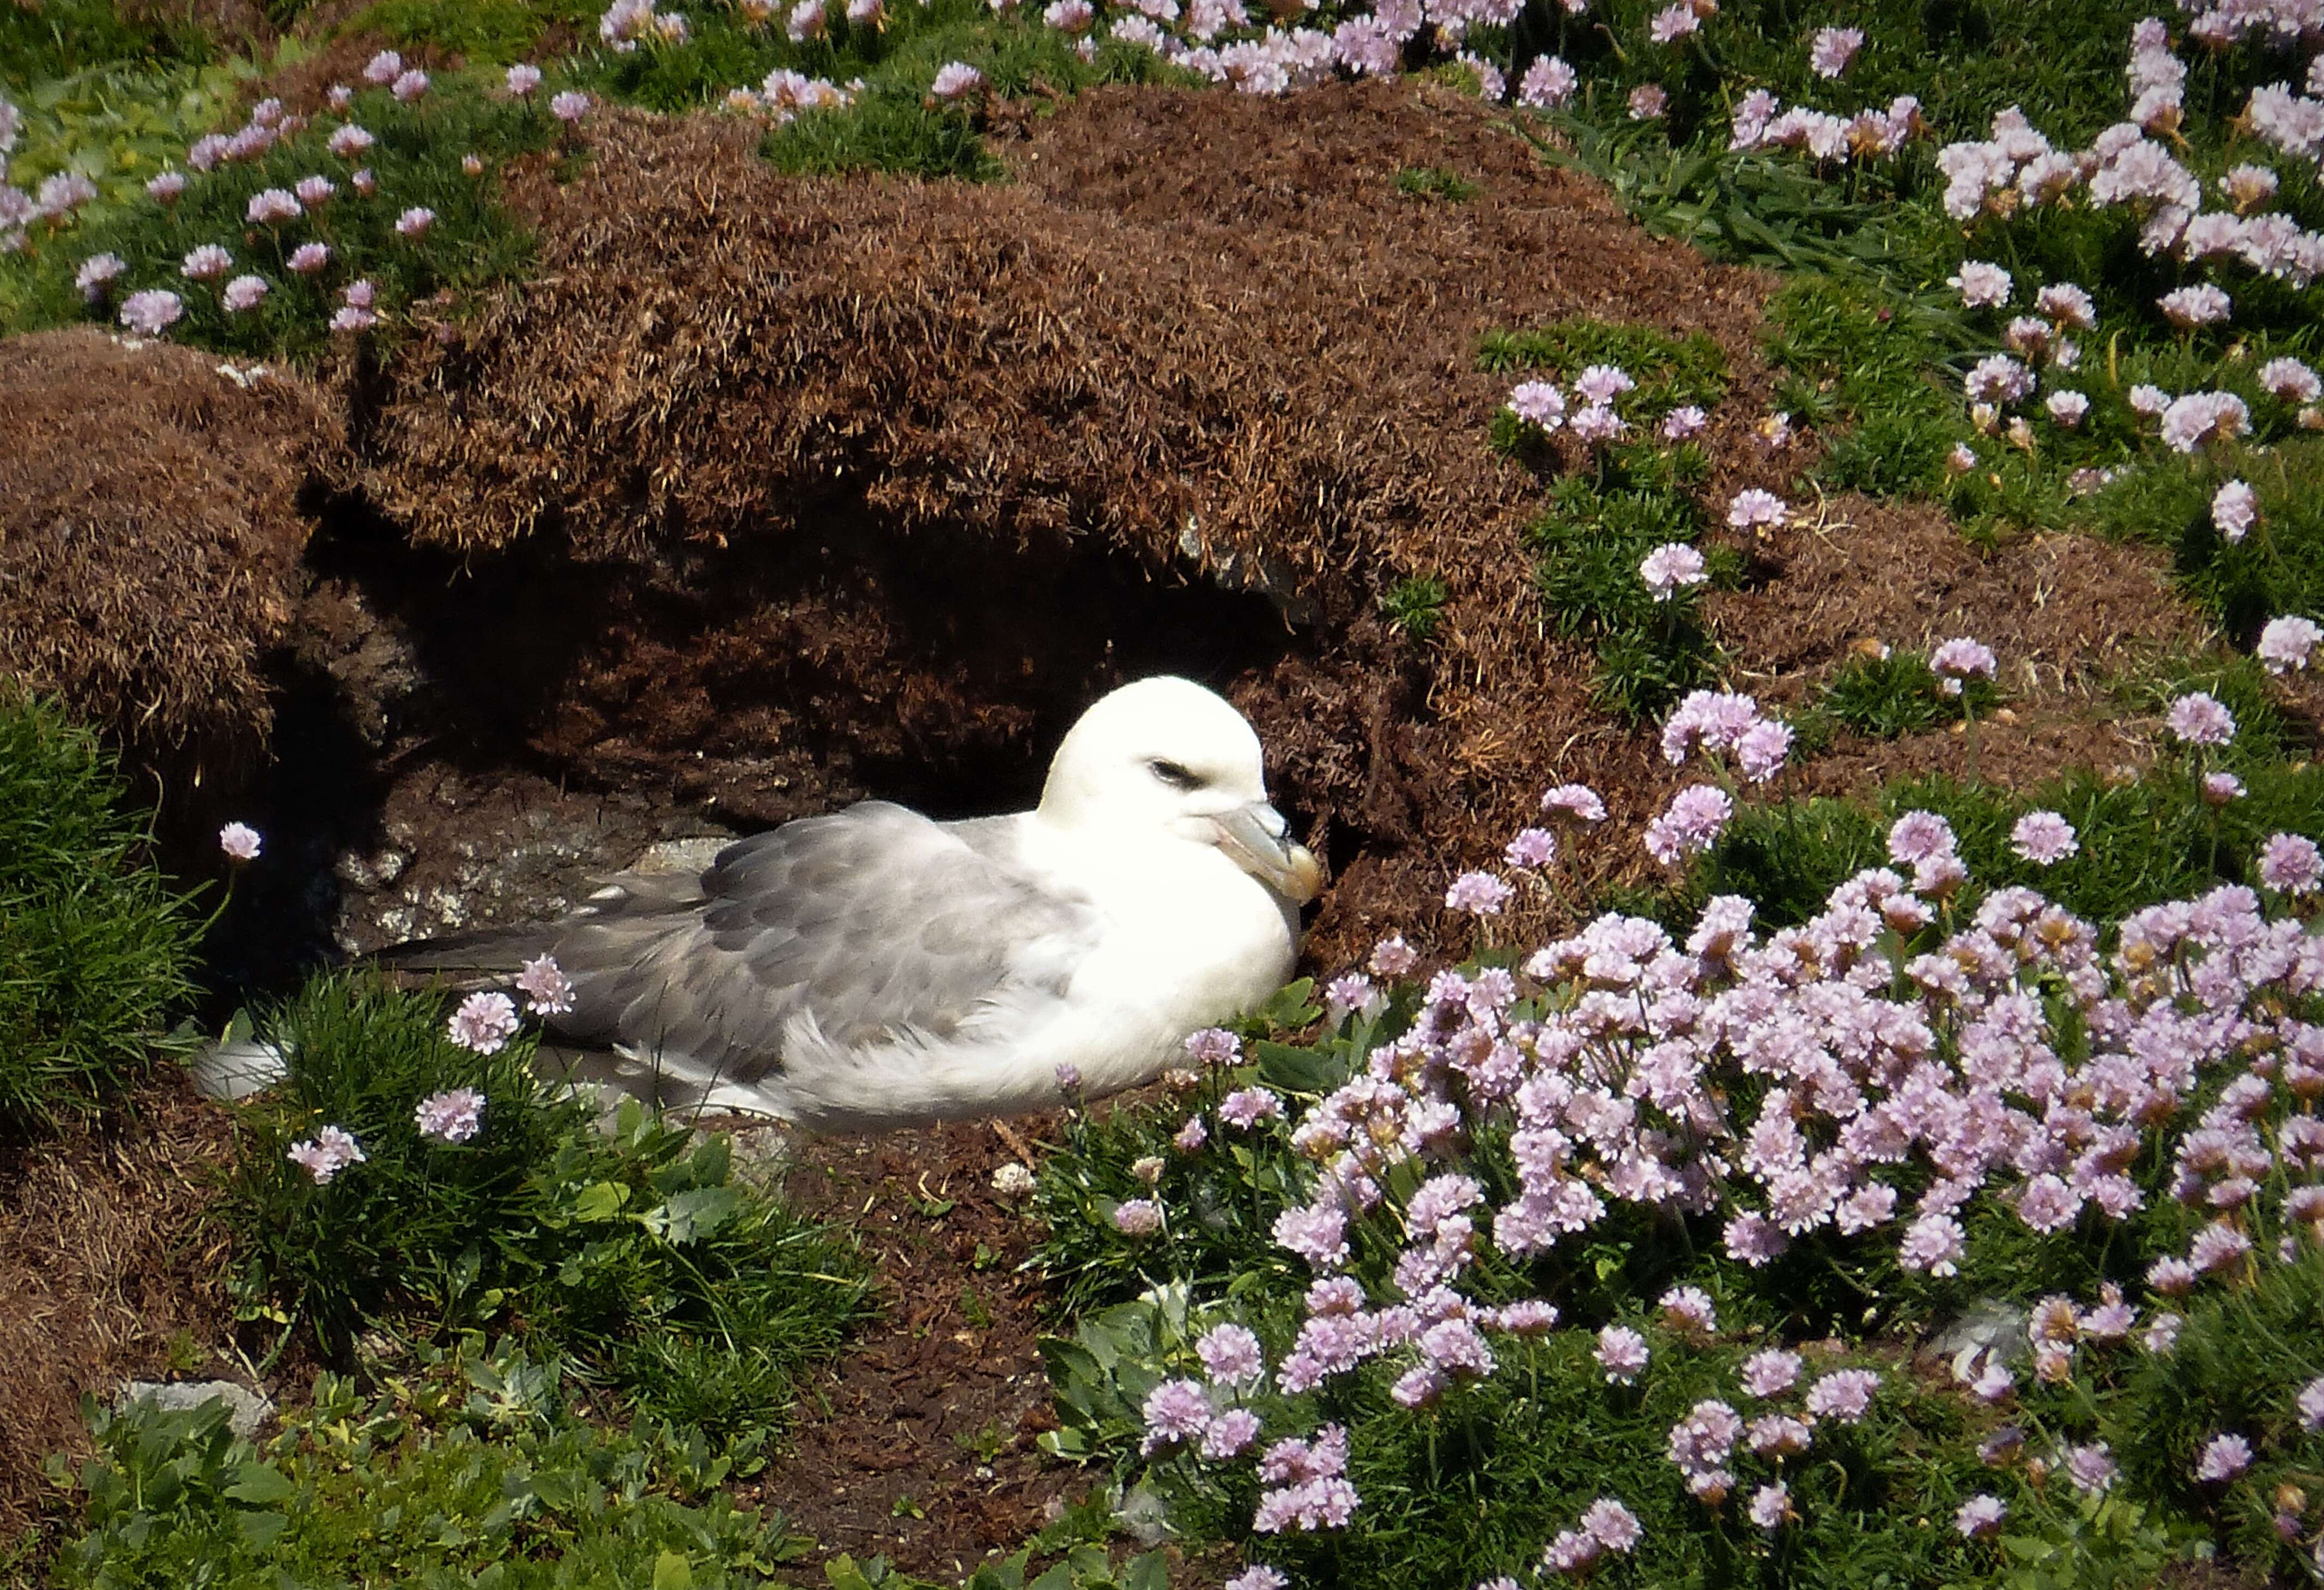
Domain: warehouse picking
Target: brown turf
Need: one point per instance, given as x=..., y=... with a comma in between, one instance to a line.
x=149, y=542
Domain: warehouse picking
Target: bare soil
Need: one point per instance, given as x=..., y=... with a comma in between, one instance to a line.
x=918, y=1443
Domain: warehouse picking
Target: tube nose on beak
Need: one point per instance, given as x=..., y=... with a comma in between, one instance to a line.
x=1257, y=839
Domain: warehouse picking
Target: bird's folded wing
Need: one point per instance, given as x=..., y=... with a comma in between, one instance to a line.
x=871, y=924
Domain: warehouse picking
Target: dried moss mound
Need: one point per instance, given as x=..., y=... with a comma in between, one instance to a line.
x=148, y=543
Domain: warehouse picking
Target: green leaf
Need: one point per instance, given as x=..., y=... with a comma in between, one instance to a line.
x=693, y=1213
x=260, y=1485
x=600, y=1200
x=1298, y=1070
x=1150, y=1572
x=673, y=1572
x=260, y=1530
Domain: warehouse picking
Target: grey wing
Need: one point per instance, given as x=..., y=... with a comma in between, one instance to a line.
x=871, y=924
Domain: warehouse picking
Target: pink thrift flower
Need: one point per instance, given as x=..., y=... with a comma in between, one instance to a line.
x=1576, y=800
x=2044, y=838
x=2287, y=643
x=269, y=205
x=2224, y=1457
x=522, y=79
x=244, y=292
x=326, y=1154
x=1229, y=1354
x=1138, y=1218
x=97, y=273
x=1833, y=49
x=308, y=258
x=1231, y=1434
x=2310, y=1405
x=408, y=86
x=1980, y=285
x=165, y=188
x=1961, y=659
x=453, y=1115
x=570, y=107
x=349, y=141
x=1689, y=1308
x=1979, y=1518
x=151, y=312
x=2092, y=1468
x=1682, y=422
x=382, y=69
x=240, y=842
x=1843, y=1396
x=1648, y=102
x=1771, y=1373
x=1213, y=1047
x=1247, y=1107
x=1538, y=402
x=1756, y=507
x=484, y=1022
x=956, y=79
x=1695, y=818
x=1673, y=23
x=2190, y=307
x=1480, y=894
x=1672, y=567
x=315, y=191
x=2067, y=408
x=415, y=222
x=2234, y=509
x=1621, y=1351
x=1175, y=1410
x=206, y=264
x=1771, y=1506
x=1547, y=84
x=2200, y=718
x=548, y=990
x=2290, y=863
x=1612, y=1525
x=1531, y=848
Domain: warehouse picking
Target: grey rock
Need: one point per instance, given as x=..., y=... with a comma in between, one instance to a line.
x=246, y=1411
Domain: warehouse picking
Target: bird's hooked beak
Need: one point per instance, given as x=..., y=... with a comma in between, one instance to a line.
x=1257, y=839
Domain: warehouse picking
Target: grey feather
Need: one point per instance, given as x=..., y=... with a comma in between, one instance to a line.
x=865, y=928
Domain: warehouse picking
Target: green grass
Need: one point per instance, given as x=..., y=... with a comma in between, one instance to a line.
x=59, y=37
x=476, y=1471
x=1587, y=546
x=96, y=952
x=1416, y=604
x=640, y=1255
x=494, y=32
x=1894, y=693
x=1872, y=342
x=1634, y=496
x=1435, y=182
x=472, y=243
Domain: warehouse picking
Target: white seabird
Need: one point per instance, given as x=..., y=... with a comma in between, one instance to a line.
x=874, y=968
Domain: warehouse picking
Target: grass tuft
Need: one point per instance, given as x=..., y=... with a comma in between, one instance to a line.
x=97, y=952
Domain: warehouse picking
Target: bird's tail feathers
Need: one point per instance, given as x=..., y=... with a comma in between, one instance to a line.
x=462, y=960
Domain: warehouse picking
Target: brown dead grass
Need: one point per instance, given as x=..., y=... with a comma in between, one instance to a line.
x=103, y=1261
x=149, y=541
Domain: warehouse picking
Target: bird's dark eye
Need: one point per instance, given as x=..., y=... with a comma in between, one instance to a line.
x=1174, y=775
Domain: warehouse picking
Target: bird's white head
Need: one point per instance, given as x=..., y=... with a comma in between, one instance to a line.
x=1167, y=755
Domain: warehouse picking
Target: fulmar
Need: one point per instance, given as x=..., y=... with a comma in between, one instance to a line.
x=874, y=968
